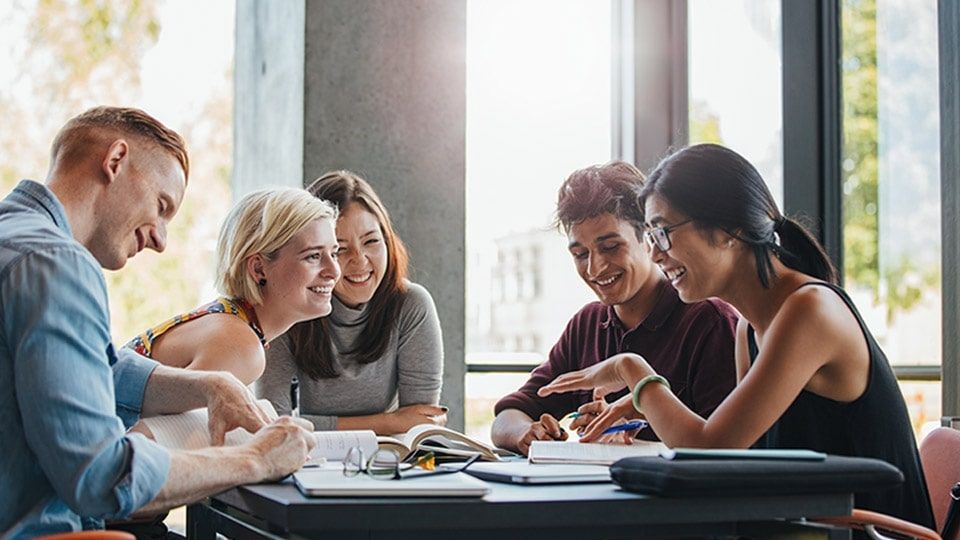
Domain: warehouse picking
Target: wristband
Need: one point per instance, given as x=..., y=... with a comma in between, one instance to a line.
x=645, y=381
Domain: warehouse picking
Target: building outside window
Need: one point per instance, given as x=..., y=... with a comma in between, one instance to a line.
x=735, y=74
x=538, y=107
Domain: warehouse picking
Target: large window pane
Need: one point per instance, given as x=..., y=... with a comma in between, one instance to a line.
x=735, y=81
x=538, y=107
x=891, y=188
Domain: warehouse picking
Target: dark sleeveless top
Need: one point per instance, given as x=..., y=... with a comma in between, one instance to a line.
x=875, y=425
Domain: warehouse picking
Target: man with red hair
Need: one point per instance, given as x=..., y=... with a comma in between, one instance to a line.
x=116, y=179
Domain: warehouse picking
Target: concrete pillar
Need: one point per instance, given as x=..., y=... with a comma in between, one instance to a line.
x=383, y=94
x=268, y=96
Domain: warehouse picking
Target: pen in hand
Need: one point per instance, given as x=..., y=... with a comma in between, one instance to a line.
x=629, y=426
x=295, y=397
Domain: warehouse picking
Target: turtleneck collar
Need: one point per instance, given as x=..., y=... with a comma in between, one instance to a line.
x=343, y=315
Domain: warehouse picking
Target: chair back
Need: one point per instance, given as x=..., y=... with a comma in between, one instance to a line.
x=940, y=455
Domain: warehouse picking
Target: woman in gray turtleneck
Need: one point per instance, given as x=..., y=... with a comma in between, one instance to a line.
x=377, y=361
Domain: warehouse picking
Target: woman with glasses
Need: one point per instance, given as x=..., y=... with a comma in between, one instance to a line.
x=810, y=373
x=377, y=361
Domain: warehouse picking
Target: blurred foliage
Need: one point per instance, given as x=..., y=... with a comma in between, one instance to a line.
x=898, y=284
x=82, y=53
x=861, y=263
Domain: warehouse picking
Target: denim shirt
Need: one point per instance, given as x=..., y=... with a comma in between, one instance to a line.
x=66, y=461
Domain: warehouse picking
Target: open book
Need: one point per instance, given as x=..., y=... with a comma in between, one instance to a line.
x=188, y=431
x=590, y=453
x=438, y=439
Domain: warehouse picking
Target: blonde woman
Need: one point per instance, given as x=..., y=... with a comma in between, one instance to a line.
x=276, y=266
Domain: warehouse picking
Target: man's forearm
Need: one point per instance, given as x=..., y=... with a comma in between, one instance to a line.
x=276, y=450
x=508, y=427
x=198, y=473
x=173, y=390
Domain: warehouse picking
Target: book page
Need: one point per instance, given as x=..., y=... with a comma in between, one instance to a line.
x=334, y=445
x=189, y=431
x=587, y=453
x=424, y=433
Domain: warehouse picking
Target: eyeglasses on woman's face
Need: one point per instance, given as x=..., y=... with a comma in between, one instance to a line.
x=659, y=237
x=386, y=464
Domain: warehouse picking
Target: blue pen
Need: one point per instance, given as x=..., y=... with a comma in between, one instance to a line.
x=636, y=424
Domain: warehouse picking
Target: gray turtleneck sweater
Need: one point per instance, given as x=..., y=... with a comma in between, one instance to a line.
x=409, y=373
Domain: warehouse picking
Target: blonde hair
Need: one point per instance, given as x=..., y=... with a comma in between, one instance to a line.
x=262, y=222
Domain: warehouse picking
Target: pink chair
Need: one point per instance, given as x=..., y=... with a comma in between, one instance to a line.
x=940, y=456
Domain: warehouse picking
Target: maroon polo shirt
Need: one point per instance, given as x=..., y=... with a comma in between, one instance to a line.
x=689, y=344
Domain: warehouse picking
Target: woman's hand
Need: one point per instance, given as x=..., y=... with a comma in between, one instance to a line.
x=614, y=373
x=616, y=413
x=588, y=412
x=404, y=418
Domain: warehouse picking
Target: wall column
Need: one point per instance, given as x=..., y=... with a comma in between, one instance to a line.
x=383, y=93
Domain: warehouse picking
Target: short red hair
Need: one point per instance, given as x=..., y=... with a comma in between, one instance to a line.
x=74, y=136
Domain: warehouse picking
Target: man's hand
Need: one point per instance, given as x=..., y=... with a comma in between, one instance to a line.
x=545, y=429
x=231, y=405
x=282, y=447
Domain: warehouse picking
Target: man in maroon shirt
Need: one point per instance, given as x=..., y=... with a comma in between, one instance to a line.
x=639, y=311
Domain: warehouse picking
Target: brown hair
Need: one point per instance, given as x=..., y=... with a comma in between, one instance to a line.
x=72, y=140
x=611, y=188
x=311, y=347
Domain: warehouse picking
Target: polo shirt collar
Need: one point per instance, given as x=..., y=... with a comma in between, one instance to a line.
x=38, y=197
x=667, y=300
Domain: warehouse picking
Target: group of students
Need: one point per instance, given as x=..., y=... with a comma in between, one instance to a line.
x=719, y=321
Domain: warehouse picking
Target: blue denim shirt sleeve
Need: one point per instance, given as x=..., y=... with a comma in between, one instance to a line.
x=55, y=305
x=130, y=374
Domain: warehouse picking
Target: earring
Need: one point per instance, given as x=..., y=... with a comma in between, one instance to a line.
x=262, y=283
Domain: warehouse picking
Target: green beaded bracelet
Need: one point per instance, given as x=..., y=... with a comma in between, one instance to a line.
x=643, y=382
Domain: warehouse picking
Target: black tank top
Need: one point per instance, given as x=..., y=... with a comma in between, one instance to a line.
x=875, y=425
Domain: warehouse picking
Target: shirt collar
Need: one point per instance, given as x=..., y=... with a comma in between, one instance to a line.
x=38, y=197
x=667, y=300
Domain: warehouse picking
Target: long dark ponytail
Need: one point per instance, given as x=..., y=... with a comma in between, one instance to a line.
x=719, y=189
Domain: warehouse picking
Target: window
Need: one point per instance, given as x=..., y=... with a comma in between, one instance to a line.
x=138, y=54
x=538, y=108
x=735, y=81
x=891, y=183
